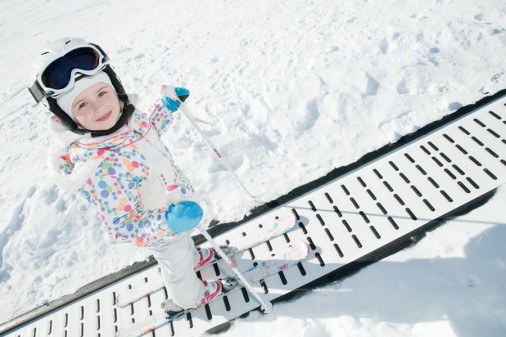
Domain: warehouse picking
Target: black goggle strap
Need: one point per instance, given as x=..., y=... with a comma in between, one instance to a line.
x=37, y=92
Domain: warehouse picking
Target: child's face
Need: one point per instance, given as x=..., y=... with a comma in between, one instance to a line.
x=97, y=107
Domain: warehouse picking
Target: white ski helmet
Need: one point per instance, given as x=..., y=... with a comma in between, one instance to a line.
x=65, y=61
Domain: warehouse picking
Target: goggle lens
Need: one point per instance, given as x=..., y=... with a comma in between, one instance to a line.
x=58, y=74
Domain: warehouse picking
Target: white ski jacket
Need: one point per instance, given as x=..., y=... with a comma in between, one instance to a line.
x=129, y=175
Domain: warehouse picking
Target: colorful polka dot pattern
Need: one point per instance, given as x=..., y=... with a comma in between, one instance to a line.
x=161, y=117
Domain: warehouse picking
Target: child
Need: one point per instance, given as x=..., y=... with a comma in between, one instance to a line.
x=113, y=154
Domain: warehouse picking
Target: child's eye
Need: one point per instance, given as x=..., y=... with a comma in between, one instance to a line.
x=82, y=105
x=102, y=93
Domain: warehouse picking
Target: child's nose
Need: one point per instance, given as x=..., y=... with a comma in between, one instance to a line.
x=97, y=106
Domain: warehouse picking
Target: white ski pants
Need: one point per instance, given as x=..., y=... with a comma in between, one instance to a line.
x=177, y=260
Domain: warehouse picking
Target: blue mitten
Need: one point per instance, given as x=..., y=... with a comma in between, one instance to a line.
x=184, y=216
x=170, y=101
x=170, y=104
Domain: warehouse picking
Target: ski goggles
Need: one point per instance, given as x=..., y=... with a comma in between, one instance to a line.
x=60, y=75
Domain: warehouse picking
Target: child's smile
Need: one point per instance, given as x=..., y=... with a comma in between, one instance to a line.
x=105, y=117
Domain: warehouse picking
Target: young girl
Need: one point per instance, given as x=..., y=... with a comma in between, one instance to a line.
x=112, y=153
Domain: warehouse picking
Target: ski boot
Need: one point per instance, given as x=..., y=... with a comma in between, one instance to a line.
x=209, y=255
x=215, y=289
x=212, y=289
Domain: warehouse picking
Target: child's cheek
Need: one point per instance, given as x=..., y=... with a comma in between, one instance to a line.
x=80, y=118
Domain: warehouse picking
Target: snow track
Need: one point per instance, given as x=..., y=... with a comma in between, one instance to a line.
x=360, y=216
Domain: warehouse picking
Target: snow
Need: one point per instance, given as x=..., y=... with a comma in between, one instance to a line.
x=291, y=89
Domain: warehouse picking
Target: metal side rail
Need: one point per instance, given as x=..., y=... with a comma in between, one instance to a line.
x=350, y=219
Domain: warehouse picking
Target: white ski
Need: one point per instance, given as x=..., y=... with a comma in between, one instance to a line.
x=278, y=227
x=296, y=253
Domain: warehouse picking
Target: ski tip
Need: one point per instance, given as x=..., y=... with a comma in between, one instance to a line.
x=287, y=213
x=286, y=217
x=120, y=303
x=300, y=249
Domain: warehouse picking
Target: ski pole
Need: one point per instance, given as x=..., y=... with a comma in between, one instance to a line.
x=215, y=150
x=266, y=306
x=170, y=93
x=188, y=215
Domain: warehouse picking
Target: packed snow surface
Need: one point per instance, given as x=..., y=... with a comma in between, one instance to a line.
x=289, y=91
